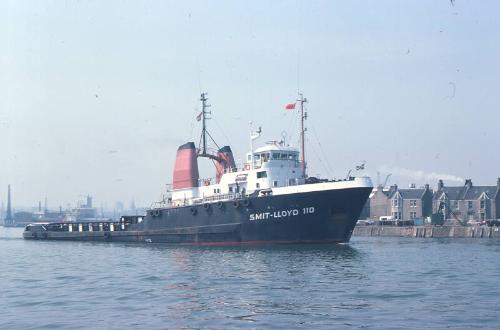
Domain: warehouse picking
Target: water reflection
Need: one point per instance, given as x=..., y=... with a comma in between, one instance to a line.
x=248, y=283
x=368, y=282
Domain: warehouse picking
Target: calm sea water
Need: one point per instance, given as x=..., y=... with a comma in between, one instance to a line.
x=373, y=283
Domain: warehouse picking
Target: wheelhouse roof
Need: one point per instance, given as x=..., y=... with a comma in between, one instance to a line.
x=274, y=147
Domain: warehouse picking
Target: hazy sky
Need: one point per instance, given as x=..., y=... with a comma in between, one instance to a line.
x=95, y=96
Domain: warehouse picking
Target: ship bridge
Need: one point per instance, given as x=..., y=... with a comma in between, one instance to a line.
x=273, y=155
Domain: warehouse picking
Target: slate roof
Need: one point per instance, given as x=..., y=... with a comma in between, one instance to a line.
x=467, y=193
x=453, y=193
x=390, y=192
x=476, y=191
x=414, y=193
x=387, y=192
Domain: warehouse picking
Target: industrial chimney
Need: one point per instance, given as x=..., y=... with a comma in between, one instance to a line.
x=8, y=217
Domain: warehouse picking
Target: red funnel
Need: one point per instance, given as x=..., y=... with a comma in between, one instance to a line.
x=186, y=173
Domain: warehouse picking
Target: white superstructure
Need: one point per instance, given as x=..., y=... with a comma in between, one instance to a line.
x=273, y=169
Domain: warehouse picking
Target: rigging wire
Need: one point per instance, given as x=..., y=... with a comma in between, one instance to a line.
x=293, y=122
x=220, y=129
x=198, y=72
x=321, y=148
x=191, y=129
x=328, y=172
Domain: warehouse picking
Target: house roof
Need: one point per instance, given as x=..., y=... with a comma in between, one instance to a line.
x=386, y=191
x=476, y=191
x=467, y=193
x=413, y=193
x=452, y=192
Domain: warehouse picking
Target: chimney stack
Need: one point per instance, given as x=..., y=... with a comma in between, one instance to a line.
x=440, y=185
x=498, y=182
x=468, y=183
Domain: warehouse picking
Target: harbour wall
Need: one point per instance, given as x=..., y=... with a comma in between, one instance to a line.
x=427, y=231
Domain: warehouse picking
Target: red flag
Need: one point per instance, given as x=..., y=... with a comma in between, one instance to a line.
x=290, y=106
x=198, y=118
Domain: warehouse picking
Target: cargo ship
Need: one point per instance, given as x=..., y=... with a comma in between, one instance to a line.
x=269, y=199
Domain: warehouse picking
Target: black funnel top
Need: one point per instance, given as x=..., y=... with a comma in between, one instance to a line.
x=189, y=145
x=225, y=149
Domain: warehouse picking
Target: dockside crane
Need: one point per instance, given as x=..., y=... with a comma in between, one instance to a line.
x=439, y=217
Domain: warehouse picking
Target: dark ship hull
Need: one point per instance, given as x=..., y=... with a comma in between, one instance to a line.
x=326, y=216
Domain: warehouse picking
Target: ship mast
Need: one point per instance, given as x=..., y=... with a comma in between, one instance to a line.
x=303, y=117
x=204, y=113
x=202, y=149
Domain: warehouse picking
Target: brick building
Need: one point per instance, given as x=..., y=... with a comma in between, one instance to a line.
x=379, y=202
x=411, y=204
x=468, y=202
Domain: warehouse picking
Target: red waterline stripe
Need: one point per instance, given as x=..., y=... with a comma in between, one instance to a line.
x=263, y=242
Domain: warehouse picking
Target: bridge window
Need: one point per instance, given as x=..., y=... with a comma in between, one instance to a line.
x=276, y=155
x=261, y=174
